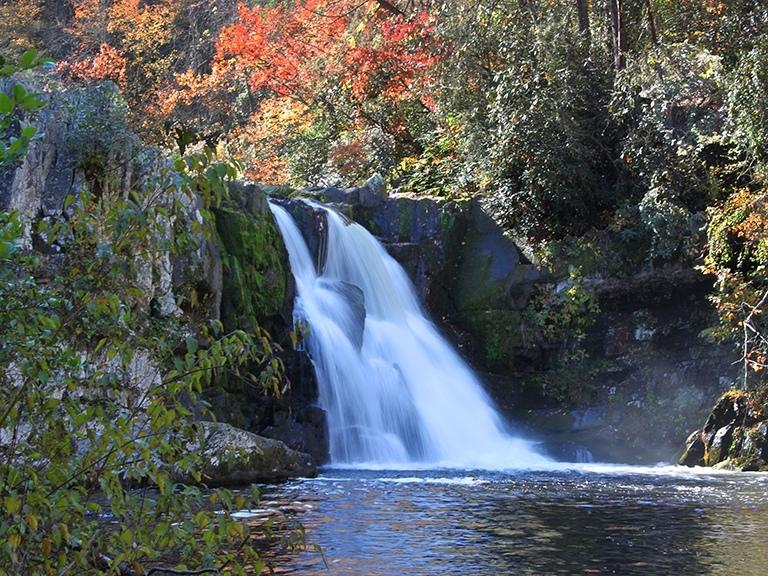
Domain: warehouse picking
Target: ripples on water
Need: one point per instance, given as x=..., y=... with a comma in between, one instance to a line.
x=558, y=522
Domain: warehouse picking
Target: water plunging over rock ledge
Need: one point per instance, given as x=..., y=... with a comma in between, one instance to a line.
x=646, y=379
x=399, y=395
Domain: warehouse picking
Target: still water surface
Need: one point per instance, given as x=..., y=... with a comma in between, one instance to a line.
x=603, y=521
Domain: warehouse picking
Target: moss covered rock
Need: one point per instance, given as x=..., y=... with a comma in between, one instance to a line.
x=257, y=281
x=735, y=436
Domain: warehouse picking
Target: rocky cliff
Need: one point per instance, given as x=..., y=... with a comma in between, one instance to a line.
x=601, y=367
x=595, y=365
x=237, y=273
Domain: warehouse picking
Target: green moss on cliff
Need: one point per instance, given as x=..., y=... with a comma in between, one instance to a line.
x=255, y=278
x=498, y=334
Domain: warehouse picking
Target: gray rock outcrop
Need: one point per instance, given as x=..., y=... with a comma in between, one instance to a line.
x=234, y=457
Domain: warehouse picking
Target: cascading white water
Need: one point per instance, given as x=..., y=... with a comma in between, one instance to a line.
x=400, y=396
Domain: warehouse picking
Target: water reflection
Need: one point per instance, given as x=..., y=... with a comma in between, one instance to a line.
x=376, y=523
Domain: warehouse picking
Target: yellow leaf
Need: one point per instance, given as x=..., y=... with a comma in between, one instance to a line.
x=12, y=505
x=14, y=540
x=32, y=521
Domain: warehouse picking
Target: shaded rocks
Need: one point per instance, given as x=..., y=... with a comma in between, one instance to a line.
x=296, y=419
x=423, y=234
x=491, y=285
x=735, y=436
x=312, y=223
x=371, y=194
x=233, y=457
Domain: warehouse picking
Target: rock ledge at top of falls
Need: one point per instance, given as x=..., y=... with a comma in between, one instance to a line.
x=371, y=194
x=234, y=457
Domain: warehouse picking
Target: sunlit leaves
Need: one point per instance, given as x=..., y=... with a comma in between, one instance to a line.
x=98, y=391
x=15, y=104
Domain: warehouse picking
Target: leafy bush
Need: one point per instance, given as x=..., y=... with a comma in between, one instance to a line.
x=97, y=426
x=15, y=132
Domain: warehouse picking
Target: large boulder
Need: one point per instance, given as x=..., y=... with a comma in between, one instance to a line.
x=354, y=300
x=234, y=457
x=373, y=192
x=735, y=435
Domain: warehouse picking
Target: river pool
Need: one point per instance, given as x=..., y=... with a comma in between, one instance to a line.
x=592, y=520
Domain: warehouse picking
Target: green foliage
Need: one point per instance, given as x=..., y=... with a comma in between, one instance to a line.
x=748, y=108
x=97, y=422
x=433, y=172
x=572, y=381
x=563, y=312
x=665, y=103
x=544, y=155
x=738, y=256
x=16, y=133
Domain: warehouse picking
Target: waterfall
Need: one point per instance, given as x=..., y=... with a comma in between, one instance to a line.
x=395, y=392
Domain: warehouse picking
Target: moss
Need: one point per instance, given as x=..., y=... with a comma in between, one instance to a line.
x=255, y=278
x=404, y=221
x=474, y=288
x=448, y=220
x=498, y=335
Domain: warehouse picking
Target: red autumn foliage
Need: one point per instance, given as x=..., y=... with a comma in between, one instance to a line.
x=303, y=50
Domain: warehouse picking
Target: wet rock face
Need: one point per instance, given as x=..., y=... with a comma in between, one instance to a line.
x=735, y=436
x=257, y=284
x=489, y=287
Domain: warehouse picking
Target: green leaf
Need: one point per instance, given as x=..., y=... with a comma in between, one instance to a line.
x=191, y=344
x=12, y=505
x=28, y=59
x=6, y=104
x=28, y=132
x=19, y=92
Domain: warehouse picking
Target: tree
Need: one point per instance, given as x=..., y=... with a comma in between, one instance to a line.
x=97, y=423
x=357, y=69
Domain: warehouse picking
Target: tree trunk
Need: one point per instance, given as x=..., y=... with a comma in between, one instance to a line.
x=615, y=17
x=652, y=23
x=389, y=7
x=583, y=12
x=530, y=6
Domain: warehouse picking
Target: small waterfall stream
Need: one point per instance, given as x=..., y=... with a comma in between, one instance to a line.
x=396, y=393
